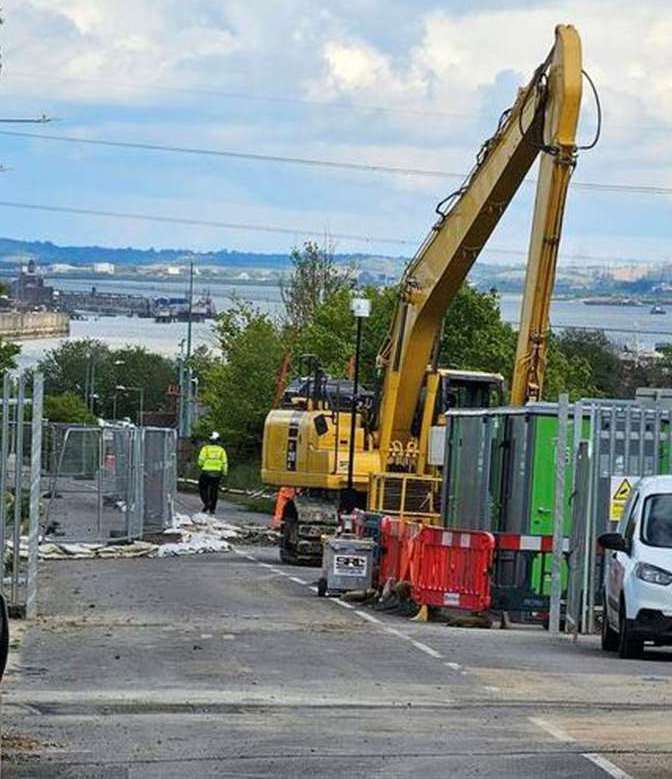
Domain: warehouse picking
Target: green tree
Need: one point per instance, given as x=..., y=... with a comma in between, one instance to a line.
x=567, y=372
x=69, y=408
x=9, y=351
x=239, y=388
x=314, y=278
x=474, y=335
x=136, y=368
x=68, y=368
x=331, y=333
x=600, y=354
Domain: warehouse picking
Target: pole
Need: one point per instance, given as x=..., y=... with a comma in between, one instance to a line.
x=142, y=405
x=114, y=406
x=350, y=501
x=190, y=310
x=187, y=362
x=180, y=397
x=92, y=386
x=559, y=513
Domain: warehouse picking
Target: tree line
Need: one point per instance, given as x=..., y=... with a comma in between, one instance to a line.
x=238, y=378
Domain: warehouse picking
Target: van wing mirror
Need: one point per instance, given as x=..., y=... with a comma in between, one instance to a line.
x=613, y=541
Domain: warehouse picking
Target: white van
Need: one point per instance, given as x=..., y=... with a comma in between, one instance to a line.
x=638, y=571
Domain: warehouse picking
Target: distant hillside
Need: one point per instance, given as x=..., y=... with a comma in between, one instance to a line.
x=47, y=252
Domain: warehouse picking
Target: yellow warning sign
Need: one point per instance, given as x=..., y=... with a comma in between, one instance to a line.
x=621, y=487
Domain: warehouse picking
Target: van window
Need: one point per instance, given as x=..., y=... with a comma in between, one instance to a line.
x=657, y=521
x=629, y=531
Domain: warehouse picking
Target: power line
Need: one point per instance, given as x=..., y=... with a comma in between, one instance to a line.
x=251, y=156
x=294, y=231
x=201, y=222
x=641, y=189
x=280, y=99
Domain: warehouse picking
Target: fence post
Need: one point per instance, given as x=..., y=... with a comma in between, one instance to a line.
x=34, y=510
x=559, y=513
x=18, y=481
x=4, y=455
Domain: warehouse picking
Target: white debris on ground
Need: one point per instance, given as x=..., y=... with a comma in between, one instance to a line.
x=83, y=551
x=189, y=535
x=198, y=534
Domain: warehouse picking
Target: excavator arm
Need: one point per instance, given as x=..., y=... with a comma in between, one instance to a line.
x=555, y=170
x=542, y=120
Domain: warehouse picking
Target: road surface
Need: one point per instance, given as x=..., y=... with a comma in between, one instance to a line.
x=230, y=665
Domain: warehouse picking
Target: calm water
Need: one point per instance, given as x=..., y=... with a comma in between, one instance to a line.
x=165, y=338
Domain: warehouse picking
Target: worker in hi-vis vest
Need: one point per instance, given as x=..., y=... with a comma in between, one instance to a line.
x=213, y=462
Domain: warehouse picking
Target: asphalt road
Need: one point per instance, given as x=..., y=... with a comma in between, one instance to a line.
x=229, y=665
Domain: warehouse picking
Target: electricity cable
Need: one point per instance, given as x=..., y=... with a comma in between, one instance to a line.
x=642, y=189
x=294, y=231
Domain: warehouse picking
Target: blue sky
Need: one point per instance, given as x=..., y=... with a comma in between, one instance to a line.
x=224, y=74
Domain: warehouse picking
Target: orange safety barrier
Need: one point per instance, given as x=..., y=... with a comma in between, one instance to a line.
x=452, y=568
x=397, y=542
x=390, y=549
x=407, y=555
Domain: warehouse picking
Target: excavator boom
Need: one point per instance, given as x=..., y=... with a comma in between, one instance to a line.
x=543, y=119
x=555, y=170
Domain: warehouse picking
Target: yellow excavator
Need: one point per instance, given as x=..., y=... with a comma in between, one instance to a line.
x=307, y=441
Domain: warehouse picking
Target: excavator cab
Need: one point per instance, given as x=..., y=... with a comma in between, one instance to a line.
x=470, y=389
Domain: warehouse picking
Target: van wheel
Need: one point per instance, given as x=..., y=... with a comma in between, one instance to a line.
x=610, y=638
x=629, y=648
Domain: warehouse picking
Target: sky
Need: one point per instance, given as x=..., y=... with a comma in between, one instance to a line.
x=406, y=83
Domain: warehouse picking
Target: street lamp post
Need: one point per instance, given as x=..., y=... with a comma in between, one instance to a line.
x=361, y=308
x=117, y=364
x=141, y=393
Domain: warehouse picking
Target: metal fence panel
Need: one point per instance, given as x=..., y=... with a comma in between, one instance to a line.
x=109, y=484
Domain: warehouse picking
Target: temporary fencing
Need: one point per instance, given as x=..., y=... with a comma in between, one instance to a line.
x=452, y=568
x=160, y=477
x=550, y=471
x=108, y=483
x=519, y=560
x=444, y=567
x=20, y=467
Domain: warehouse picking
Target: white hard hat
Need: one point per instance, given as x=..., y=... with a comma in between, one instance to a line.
x=214, y=436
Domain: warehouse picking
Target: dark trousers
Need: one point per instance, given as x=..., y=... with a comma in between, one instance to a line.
x=208, y=487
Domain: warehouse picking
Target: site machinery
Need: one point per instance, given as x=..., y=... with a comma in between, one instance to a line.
x=306, y=442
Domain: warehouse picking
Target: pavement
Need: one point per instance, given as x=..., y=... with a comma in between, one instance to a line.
x=230, y=665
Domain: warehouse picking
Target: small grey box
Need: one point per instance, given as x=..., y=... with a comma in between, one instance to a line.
x=347, y=563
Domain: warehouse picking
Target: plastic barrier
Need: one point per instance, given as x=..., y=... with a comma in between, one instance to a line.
x=520, y=561
x=390, y=549
x=452, y=568
x=408, y=557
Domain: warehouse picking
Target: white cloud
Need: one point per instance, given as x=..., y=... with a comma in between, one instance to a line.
x=452, y=69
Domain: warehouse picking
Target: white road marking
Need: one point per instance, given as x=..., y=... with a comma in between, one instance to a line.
x=342, y=603
x=368, y=617
x=551, y=729
x=607, y=766
x=427, y=649
x=453, y=666
x=297, y=580
x=397, y=633
x=266, y=565
x=313, y=588
x=491, y=689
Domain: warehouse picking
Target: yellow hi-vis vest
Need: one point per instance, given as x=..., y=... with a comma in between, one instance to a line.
x=212, y=459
